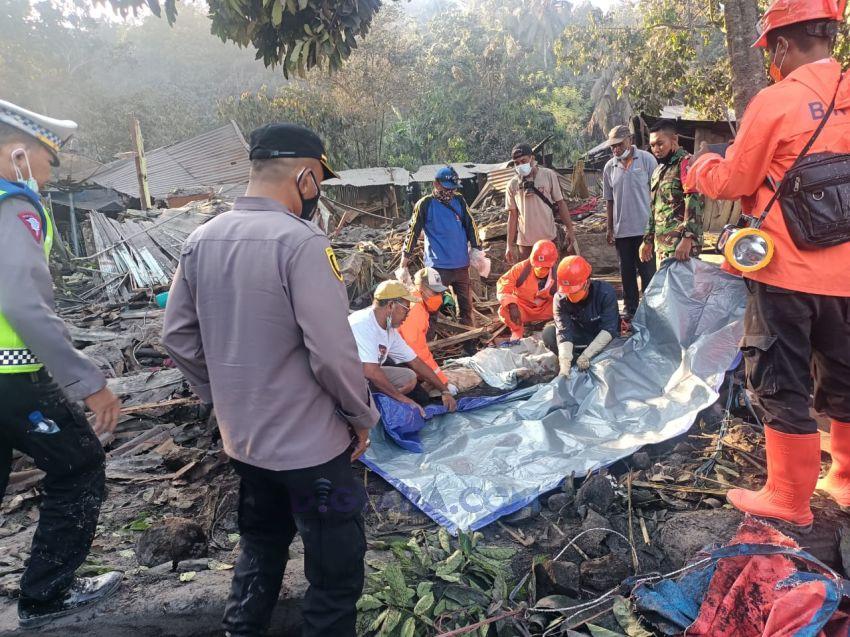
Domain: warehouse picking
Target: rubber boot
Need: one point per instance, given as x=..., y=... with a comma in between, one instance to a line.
x=83, y=593
x=837, y=482
x=793, y=465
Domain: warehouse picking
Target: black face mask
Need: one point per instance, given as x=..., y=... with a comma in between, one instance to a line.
x=308, y=206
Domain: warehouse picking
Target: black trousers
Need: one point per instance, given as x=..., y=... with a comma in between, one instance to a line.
x=795, y=344
x=628, y=251
x=458, y=279
x=74, y=484
x=324, y=504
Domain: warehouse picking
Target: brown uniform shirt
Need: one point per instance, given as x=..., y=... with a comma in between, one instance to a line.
x=535, y=220
x=257, y=321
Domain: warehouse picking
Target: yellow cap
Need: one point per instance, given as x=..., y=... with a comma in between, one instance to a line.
x=392, y=289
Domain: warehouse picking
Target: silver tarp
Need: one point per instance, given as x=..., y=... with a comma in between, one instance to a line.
x=480, y=465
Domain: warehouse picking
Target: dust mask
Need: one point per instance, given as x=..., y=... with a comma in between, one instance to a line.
x=776, y=71
x=523, y=170
x=626, y=153
x=434, y=303
x=30, y=181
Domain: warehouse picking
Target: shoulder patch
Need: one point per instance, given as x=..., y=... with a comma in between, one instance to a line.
x=33, y=223
x=334, y=263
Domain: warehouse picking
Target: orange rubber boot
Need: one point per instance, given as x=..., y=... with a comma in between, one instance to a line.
x=793, y=465
x=837, y=482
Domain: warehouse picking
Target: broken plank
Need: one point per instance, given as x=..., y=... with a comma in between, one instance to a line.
x=130, y=445
x=459, y=338
x=452, y=325
x=660, y=486
x=164, y=403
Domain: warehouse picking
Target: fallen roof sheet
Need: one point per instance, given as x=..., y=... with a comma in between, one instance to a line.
x=365, y=177
x=100, y=199
x=480, y=465
x=464, y=170
x=195, y=165
x=140, y=253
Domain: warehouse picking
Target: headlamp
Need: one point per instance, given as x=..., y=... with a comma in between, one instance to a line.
x=746, y=248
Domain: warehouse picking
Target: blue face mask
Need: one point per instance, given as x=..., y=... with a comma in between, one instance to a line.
x=32, y=184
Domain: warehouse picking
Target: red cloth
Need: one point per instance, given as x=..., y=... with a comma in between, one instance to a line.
x=743, y=600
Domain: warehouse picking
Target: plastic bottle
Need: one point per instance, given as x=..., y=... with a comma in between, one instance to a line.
x=42, y=425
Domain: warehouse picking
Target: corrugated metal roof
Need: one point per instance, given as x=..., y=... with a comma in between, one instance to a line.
x=465, y=171
x=214, y=158
x=364, y=177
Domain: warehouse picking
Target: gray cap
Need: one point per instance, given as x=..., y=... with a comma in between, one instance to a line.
x=618, y=135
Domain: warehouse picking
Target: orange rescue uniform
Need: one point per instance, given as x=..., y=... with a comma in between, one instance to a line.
x=519, y=285
x=414, y=331
x=777, y=124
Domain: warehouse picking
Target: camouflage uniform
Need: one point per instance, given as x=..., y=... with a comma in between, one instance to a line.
x=669, y=202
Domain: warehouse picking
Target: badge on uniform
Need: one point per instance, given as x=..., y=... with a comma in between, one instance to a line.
x=334, y=263
x=33, y=223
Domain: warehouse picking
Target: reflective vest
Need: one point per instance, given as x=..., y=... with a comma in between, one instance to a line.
x=15, y=356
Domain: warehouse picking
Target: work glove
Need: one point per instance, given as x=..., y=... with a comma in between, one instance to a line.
x=452, y=389
x=565, y=358
x=596, y=345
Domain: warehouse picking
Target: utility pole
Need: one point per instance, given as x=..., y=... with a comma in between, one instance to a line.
x=141, y=163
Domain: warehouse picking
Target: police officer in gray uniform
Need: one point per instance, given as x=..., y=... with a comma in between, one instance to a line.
x=42, y=377
x=257, y=321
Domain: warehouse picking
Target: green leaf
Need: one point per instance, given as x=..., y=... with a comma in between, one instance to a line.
x=452, y=563
x=379, y=621
x=445, y=540
x=400, y=593
x=465, y=543
x=302, y=4
x=598, y=631
x=466, y=596
x=277, y=13
x=368, y=602
x=628, y=621
x=409, y=628
x=423, y=588
x=496, y=553
x=393, y=619
x=440, y=608
x=554, y=601
x=142, y=523
x=424, y=604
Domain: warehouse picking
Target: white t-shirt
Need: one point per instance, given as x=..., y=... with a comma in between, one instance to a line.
x=375, y=343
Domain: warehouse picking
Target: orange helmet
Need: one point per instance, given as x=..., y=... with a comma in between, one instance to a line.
x=573, y=277
x=784, y=12
x=544, y=254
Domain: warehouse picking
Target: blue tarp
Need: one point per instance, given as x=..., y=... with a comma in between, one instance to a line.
x=477, y=466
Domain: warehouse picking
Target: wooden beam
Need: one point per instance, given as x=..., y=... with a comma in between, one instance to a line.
x=141, y=164
x=442, y=343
